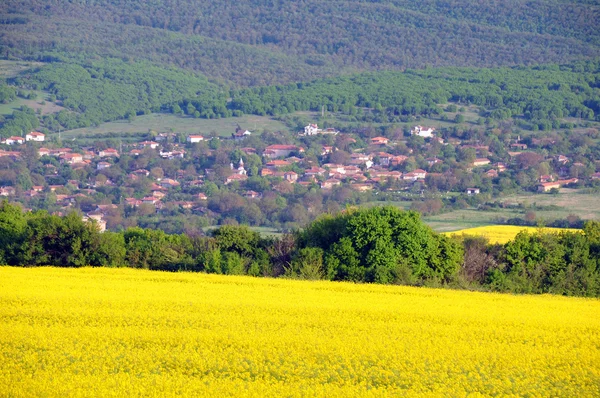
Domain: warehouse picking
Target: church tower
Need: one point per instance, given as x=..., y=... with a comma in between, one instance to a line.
x=241, y=170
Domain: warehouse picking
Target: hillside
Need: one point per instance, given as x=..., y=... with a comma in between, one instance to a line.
x=255, y=42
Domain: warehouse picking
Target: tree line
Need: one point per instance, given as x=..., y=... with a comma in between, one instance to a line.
x=378, y=245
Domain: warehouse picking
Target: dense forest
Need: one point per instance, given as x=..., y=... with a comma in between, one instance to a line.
x=109, y=89
x=540, y=94
x=380, y=245
x=257, y=42
x=100, y=90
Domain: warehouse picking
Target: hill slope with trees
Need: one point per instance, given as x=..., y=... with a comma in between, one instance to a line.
x=100, y=90
x=257, y=42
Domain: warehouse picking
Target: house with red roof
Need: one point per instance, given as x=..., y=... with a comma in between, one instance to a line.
x=35, y=136
x=108, y=152
x=71, y=158
x=280, y=150
x=14, y=140
x=235, y=177
x=415, y=175
x=379, y=141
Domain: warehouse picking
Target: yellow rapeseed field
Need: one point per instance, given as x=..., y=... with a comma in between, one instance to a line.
x=122, y=332
x=502, y=233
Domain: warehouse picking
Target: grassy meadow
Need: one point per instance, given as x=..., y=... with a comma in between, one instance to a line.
x=162, y=122
x=126, y=332
x=546, y=207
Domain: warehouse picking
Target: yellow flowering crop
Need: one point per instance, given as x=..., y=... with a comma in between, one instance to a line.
x=124, y=332
x=502, y=233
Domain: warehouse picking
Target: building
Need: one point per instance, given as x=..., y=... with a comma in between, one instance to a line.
x=240, y=134
x=361, y=158
x=108, y=152
x=96, y=219
x=330, y=183
x=7, y=191
x=418, y=174
x=547, y=186
x=194, y=139
x=379, y=141
x=11, y=154
x=150, y=144
x=169, y=183
x=71, y=158
x=492, y=173
x=14, y=141
x=275, y=164
x=313, y=129
x=278, y=151
x=473, y=191
x=384, y=158
x=424, y=132
x=235, y=177
x=481, y=162
x=518, y=146
x=314, y=171
x=397, y=160
x=433, y=161
x=35, y=136
x=102, y=165
x=251, y=194
x=240, y=170
x=290, y=176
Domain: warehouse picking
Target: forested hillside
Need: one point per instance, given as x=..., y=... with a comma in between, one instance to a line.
x=258, y=42
x=100, y=90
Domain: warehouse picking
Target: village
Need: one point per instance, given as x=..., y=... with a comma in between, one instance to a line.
x=163, y=173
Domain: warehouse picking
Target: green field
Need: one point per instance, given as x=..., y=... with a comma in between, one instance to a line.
x=160, y=122
x=10, y=69
x=568, y=202
x=467, y=218
x=41, y=102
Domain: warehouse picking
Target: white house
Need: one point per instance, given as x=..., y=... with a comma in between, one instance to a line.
x=14, y=140
x=194, y=139
x=240, y=134
x=424, y=132
x=415, y=175
x=35, y=136
x=313, y=129
x=150, y=144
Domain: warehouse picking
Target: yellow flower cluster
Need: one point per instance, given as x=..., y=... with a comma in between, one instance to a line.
x=124, y=332
x=503, y=233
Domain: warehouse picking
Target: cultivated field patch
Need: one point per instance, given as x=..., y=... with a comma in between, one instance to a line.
x=126, y=332
x=503, y=233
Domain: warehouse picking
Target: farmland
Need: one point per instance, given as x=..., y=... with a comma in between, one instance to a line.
x=101, y=332
x=502, y=233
